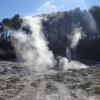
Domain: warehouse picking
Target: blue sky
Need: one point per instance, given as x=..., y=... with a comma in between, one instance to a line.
x=9, y=8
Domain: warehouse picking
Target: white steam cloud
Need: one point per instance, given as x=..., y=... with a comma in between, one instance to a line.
x=74, y=37
x=33, y=49
x=71, y=65
x=73, y=40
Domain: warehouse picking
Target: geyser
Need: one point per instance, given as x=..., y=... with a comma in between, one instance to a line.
x=33, y=50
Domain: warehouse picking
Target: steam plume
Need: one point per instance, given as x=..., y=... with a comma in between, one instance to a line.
x=33, y=50
x=72, y=41
x=74, y=37
x=65, y=64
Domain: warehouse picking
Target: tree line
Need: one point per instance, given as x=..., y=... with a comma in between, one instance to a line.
x=56, y=29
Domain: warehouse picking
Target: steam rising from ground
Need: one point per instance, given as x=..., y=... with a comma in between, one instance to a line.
x=71, y=65
x=74, y=37
x=33, y=49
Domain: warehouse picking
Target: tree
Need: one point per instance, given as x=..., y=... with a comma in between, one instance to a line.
x=16, y=22
x=6, y=22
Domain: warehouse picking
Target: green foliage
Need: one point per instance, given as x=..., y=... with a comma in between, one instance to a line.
x=16, y=22
x=6, y=50
x=2, y=52
x=6, y=22
x=97, y=90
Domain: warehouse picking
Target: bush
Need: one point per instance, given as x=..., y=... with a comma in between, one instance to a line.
x=97, y=90
x=2, y=53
